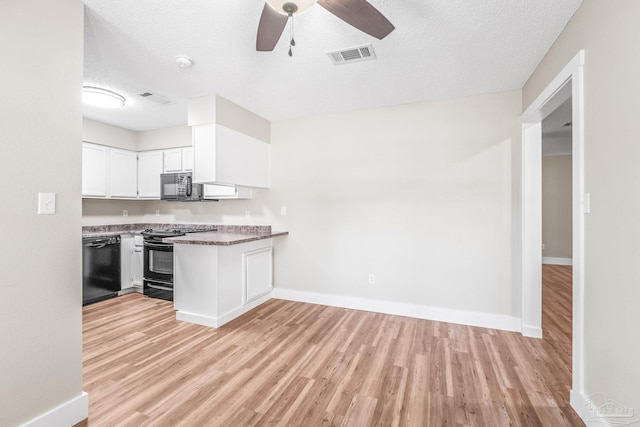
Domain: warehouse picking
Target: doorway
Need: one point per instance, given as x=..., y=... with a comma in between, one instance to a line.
x=567, y=85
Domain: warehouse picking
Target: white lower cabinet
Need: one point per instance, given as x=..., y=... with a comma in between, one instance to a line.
x=257, y=275
x=126, y=245
x=137, y=263
x=215, y=284
x=131, y=263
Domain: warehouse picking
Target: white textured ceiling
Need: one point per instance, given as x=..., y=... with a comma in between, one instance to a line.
x=439, y=49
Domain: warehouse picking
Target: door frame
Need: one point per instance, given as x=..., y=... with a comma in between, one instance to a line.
x=569, y=83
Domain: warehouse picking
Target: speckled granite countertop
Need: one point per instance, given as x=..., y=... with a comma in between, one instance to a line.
x=221, y=238
x=225, y=236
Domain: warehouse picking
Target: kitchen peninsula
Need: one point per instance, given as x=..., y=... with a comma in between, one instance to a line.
x=221, y=275
x=217, y=275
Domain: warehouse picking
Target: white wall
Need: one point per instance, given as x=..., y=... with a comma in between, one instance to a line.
x=40, y=255
x=419, y=195
x=610, y=34
x=178, y=136
x=113, y=136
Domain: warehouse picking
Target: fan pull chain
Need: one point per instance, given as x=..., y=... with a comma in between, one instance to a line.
x=292, y=42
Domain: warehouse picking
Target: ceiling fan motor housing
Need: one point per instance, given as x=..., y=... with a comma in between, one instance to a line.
x=288, y=7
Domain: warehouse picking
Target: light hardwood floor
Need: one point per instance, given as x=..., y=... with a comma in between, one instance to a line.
x=295, y=364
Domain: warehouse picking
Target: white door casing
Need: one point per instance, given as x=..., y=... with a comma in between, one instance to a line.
x=569, y=83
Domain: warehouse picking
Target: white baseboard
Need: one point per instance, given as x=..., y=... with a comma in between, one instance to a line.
x=216, y=322
x=65, y=415
x=484, y=320
x=531, y=331
x=593, y=410
x=578, y=402
x=557, y=261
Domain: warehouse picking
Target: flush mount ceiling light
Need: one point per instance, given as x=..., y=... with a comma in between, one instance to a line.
x=103, y=98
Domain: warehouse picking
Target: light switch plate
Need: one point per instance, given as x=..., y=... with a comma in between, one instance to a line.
x=46, y=203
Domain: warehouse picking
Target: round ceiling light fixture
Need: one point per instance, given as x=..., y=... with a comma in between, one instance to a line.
x=184, y=61
x=103, y=98
x=288, y=7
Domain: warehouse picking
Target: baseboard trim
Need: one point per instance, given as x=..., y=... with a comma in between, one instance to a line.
x=216, y=322
x=557, y=261
x=598, y=411
x=531, y=331
x=578, y=402
x=65, y=415
x=470, y=318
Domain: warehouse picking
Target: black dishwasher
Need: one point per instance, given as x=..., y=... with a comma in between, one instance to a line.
x=100, y=268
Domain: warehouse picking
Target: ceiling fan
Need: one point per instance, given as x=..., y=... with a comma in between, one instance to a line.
x=357, y=13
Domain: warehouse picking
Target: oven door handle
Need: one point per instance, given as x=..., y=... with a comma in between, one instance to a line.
x=163, y=288
x=158, y=245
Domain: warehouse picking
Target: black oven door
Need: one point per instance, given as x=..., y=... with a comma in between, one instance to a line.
x=158, y=262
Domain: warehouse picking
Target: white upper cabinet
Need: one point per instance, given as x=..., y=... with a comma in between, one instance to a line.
x=178, y=160
x=150, y=166
x=94, y=170
x=187, y=159
x=123, y=173
x=108, y=172
x=173, y=160
x=226, y=156
x=215, y=192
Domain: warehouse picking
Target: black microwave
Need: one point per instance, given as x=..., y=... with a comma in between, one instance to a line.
x=179, y=187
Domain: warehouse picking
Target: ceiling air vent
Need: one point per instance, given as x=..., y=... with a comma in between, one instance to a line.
x=158, y=99
x=354, y=54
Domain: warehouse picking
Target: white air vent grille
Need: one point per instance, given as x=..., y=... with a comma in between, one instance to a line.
x=158, y=99
x=354, y=54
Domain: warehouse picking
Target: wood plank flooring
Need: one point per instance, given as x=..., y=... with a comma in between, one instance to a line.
x=295, y=364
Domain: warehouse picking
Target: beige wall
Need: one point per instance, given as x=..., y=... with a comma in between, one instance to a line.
x=179, y=136
x=556, y=207
x=420, y=195
x=610, y=34
x=113, y=136
x=40, y=255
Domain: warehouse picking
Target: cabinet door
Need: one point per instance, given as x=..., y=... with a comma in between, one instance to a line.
x=94, y=170
x=137, y=263
x=226, y=156
x=257, y=273
x=187, y=159
x=149, y=170
x=173, y=160
x=124, y=174
x=126, y=244
x=212, y=191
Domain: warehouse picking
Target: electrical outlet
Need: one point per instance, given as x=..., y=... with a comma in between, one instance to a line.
x=125, y=212
x=372, y=279
x=543, y=246
x=247, y=214
x=283, y=210
x=157, y=212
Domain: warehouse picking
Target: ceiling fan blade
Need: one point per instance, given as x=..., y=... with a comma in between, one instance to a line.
x=360, y=14
x=270, y=28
